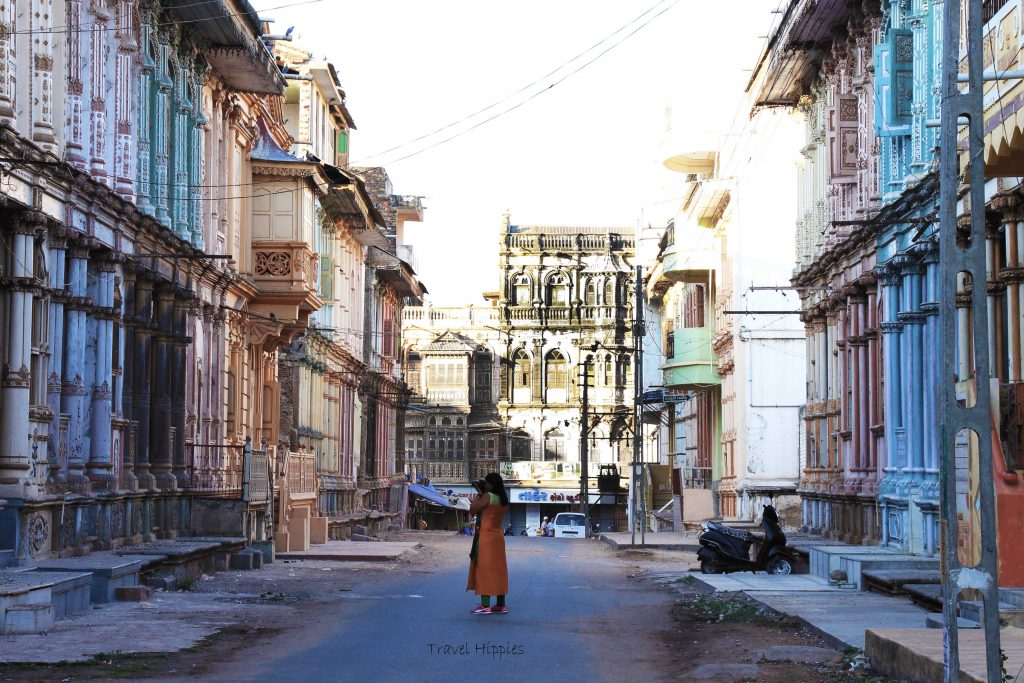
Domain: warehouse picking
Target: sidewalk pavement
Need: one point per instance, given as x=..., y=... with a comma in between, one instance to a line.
x=916, y=654
x=840, y=616
x=662, y=540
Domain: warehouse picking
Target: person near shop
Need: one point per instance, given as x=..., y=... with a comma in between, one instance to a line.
x=488, y=569
x=544, y=527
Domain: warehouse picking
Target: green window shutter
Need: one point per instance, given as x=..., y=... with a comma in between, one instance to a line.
x=342, y=142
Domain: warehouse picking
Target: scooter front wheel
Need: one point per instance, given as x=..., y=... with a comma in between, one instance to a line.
x=709, y=567
x=780, y=565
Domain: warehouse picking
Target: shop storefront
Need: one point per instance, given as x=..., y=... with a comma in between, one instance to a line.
x=529, y=505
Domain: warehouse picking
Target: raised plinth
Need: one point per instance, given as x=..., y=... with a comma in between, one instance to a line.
x=186, y=559
x=107, y=571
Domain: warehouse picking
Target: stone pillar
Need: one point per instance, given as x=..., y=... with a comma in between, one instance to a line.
x=179, y=352
x=130, y=446
x=98, y=36
x=161, y=424
x=42, y=70
x=913, y=395
x=994, y=289
x=8, y=63
x=1013, y=342
x=74, y=393
x=933, y=373
x=891, y=328
x=124, y=158
x=16, y=462
x=76, y=40
x=58, y=296
x=142, y=377
x=100, y=467
x=160, y=135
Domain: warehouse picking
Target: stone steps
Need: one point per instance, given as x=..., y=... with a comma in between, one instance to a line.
x=893, y=581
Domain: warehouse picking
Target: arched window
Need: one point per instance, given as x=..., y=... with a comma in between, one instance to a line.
x=609, y=369
x=590, y=293
x=558, y=290
x=625, y=369
x=521, y=290
x=554, y=446
x=523, y=370
x=556, y=370
x=609, y=292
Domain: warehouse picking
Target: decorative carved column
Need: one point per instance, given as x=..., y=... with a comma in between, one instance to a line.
x=179, y=350
x=995, y=290
x=198, y=124
x=100, y=468
x=17, y=475
x=74, y=394
x=8, y=62
x=130, y=446
x=42, y=95
x=142, y=387
x=97, y=92
x=913, y=362
x=58, y=297
x=146, y=119
x=75, y=131
x=181, y=114
x=161, y=434
x=891, y=329
x=124, y=159
x=160, y=133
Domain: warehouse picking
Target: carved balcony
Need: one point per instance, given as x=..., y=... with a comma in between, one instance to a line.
x=285, y=273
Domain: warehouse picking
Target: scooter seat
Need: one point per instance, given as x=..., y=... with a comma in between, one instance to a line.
x=729, y=531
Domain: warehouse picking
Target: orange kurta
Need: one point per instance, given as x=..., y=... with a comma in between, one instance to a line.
x=488, y=573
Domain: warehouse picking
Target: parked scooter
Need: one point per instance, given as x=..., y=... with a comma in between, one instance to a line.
x=724, y=549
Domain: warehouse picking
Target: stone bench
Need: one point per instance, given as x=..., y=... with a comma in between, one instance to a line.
x=25, y=603
x=227, y=547
x=186, y=559
x=70, y=592
x=108, y=571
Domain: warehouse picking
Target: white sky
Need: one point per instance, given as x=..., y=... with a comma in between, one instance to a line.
x=587, y=152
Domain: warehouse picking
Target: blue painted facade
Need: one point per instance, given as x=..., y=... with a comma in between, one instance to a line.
x=907, y=84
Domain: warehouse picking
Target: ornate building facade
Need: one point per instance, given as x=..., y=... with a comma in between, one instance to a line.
x=161, y=246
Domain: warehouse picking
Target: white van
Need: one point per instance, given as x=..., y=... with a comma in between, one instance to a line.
x=570, y=525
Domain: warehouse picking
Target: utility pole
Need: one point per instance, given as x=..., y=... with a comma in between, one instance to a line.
x=956, y=262
x=585, y=448
x=638, y=405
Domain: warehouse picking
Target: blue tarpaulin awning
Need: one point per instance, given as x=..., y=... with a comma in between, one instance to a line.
x=429, y=494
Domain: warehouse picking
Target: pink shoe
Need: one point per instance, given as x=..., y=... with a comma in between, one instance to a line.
x=480, y=609
x=499, y=609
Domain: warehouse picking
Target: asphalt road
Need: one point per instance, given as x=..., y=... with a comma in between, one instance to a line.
x=573, y=614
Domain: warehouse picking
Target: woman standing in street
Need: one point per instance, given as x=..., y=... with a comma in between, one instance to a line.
x=488, y=571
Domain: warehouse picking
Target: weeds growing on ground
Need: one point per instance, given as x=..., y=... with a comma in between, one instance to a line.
x=731, y=608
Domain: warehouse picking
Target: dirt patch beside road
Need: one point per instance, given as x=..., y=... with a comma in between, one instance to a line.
x=729, y=637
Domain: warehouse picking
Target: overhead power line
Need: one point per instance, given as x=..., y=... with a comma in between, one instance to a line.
x=539, y=81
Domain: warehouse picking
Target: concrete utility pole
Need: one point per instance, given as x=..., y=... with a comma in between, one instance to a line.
x=638, y=405
x=957, y=262
x=585, y=448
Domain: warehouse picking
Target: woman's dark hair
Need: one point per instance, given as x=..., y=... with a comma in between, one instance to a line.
x=498, y=487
